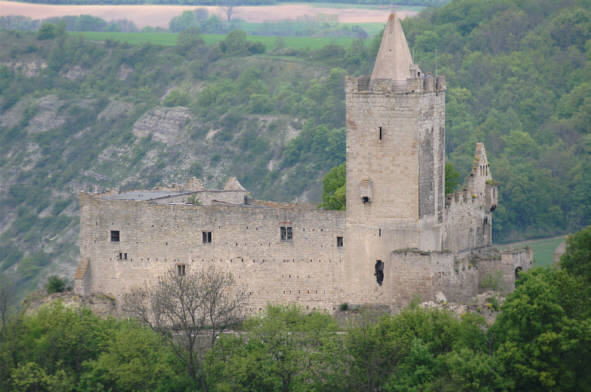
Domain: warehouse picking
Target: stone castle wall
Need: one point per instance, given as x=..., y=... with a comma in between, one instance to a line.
x=245, y=240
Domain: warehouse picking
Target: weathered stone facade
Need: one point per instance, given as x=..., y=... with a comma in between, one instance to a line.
x=399, y=238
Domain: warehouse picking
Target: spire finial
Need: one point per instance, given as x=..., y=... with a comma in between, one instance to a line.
x=393, y=61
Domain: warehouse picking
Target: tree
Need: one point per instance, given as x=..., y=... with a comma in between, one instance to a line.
x=577, y=258
x=452, y=178
x=543, y=334
x=55, y=284
x=6, y=297
x=235, y=43
x=333, y=189
x=184, y=304
x=283, y=349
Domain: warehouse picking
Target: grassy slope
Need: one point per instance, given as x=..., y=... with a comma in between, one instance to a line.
x=169, y=39
x=543, y=249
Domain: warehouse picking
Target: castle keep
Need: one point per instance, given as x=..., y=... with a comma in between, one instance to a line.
x=400, y=237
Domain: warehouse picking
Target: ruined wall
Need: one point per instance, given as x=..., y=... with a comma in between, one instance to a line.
x=506, y=267
x=206, y=198
x=468, y=223
x=245, y=240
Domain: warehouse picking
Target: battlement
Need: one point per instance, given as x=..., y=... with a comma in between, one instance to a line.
x=421, y=83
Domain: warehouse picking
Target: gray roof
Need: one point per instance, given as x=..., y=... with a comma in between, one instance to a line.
x=144, y=195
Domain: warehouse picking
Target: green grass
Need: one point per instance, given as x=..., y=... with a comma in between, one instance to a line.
x=543, y=249
x=169, y=39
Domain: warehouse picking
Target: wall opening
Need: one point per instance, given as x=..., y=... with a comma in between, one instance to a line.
x=339, y=242
x=115, y=236
x=518, y=272
x=286, y=233
x=180, y=269
x=379, y=274
x=380, y=133
x=206, y=237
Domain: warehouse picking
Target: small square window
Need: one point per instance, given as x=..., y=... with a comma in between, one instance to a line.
x=114, y=235
x=339, y=242
x=286, y=233
x=180, y=269
x=206, y=236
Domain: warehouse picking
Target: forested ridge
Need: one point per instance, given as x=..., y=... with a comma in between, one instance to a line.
x=75, y=114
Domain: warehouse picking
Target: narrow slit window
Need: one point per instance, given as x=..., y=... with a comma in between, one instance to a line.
x=180, y=269
x=339, y=242
x=206, y=236
x=115, y=236
x=380, y=133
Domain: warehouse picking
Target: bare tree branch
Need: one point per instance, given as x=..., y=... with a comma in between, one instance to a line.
x=183, y=308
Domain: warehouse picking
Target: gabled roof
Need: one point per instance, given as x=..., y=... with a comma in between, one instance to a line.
x=393, y=61
x=233, y=185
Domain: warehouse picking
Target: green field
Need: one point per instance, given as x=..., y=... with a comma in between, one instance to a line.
x=169, y=39
x=543, y=249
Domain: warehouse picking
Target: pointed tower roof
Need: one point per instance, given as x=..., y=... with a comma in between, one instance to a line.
x=233, y=185
x=393, y=61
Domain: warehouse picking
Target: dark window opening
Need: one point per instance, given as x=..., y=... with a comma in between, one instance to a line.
x=120, y=256
x=380, y=232
x=339, y=242
x=286, y=233
x=206, y=236
x=125, y=256
x=365, y=199
x=518, y=272
x=381, y=133
x=114, y=235
x=180, y=269
x=379, y=272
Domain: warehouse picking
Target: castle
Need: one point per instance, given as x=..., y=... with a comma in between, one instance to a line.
x=400, y=237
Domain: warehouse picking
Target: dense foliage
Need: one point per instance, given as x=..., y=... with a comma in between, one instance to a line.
x=518, y=75
x=540, y=341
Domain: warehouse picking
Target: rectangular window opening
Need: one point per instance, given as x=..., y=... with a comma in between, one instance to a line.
x=380, y=133
x=206, y=236
x=180, y=269
x=339, y=242
x=286, y=233
x=115, y=236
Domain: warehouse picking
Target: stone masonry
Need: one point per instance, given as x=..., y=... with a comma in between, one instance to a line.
x=400, y=237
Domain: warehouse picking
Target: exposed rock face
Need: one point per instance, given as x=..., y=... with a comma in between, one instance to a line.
x=101, y=305
x=166, y=125
x=114, y=110
x=74, y=72
x=28, y=68
x=124, y=72
x=487, y=304
x=47, y=116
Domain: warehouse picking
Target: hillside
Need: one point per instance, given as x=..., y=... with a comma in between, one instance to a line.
x=77, y=114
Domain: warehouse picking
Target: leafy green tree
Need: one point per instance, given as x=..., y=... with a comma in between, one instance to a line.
x=334, y=189
x=55, y=284
x=235, y=43
x=577, y=258
x=543, y=334
x=284, y=349
x=135, y=359
x=47, y=31
x=452, y=178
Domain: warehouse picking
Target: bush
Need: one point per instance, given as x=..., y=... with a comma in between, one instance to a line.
x=55, y=284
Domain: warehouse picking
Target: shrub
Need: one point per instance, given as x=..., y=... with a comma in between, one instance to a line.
x=55, y=284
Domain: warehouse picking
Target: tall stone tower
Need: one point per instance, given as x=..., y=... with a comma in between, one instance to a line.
x=395, y=165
